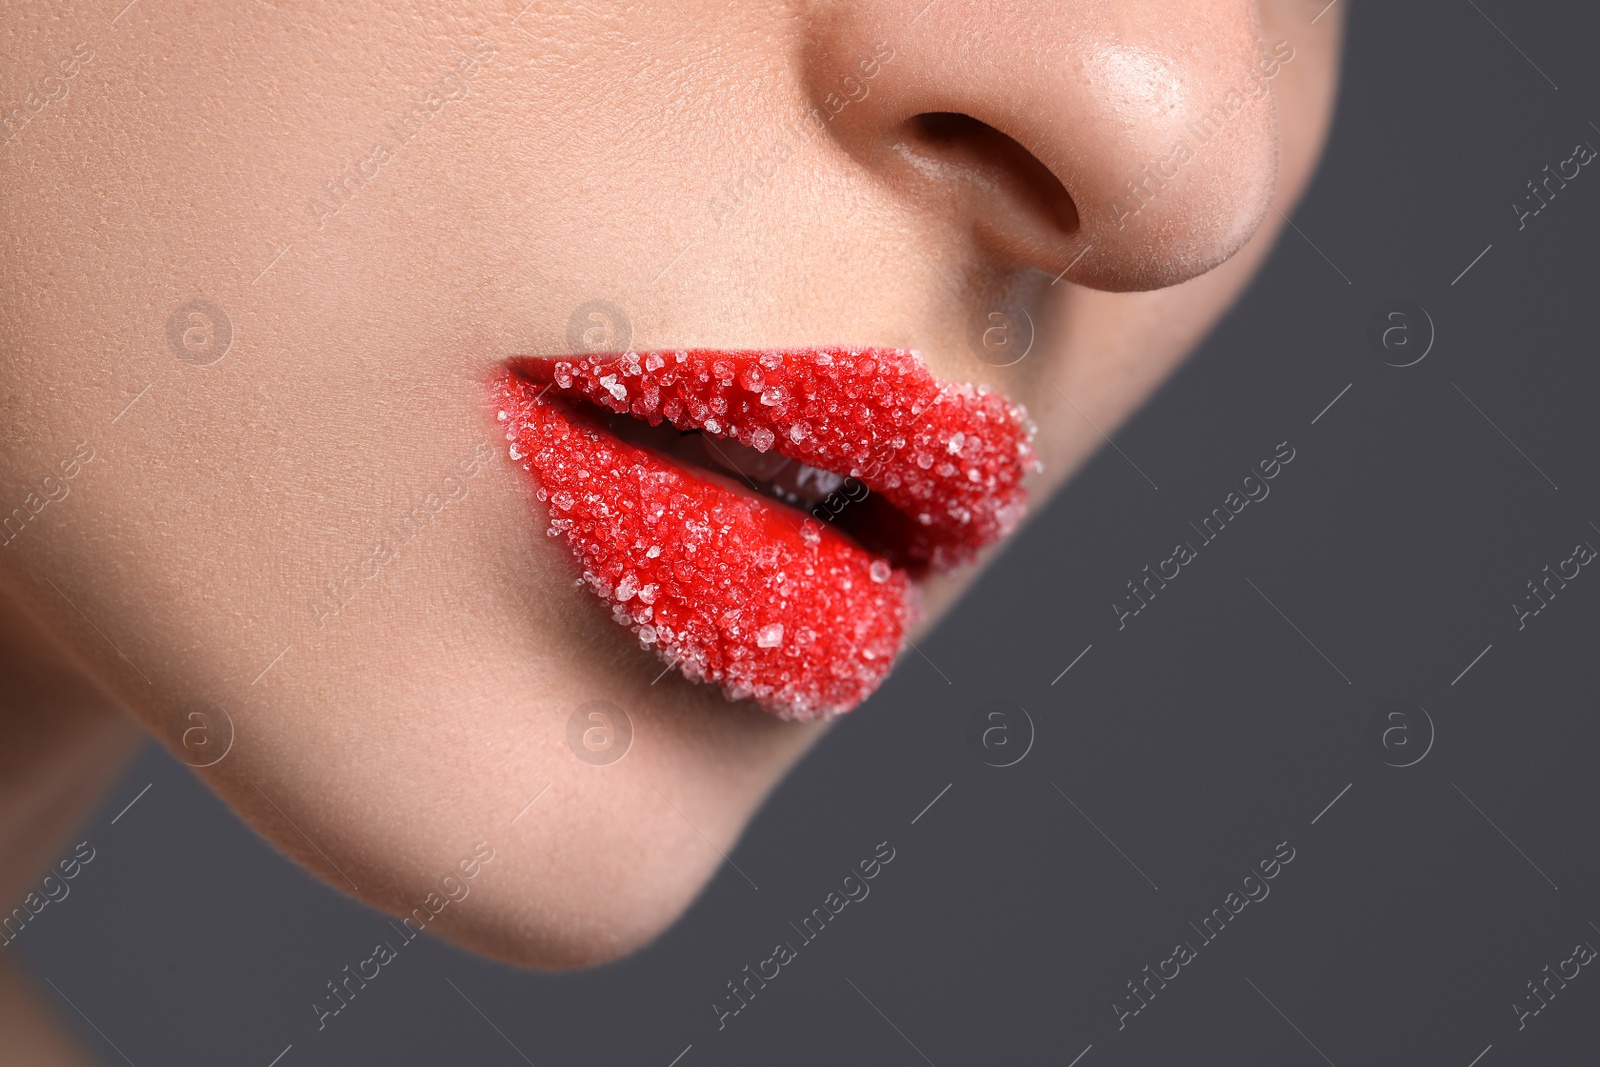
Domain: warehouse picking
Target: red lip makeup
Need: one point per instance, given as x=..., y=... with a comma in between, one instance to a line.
x=759, y=517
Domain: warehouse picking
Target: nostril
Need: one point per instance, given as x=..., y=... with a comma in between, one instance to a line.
x=995, y=159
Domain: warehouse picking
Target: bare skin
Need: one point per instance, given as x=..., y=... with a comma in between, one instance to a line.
x=188, y=557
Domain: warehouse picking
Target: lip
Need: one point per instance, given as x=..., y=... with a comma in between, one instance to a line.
x=738, y=588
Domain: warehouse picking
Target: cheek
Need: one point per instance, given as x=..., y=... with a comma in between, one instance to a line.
x=1305, y=88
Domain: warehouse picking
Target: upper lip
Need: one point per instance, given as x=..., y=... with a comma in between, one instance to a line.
x=948, y=458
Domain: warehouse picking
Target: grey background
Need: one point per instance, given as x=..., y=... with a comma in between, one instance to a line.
x=1196, y=739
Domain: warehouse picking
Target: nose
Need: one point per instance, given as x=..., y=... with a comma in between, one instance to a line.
x=1130, y=145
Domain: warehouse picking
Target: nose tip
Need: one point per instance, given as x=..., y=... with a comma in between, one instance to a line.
x=1176, y=163
x=1156, y=121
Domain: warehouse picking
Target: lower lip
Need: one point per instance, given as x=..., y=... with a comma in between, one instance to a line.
x=728, y=586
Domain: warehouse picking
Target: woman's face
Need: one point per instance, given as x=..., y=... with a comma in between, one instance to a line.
x=266, y=268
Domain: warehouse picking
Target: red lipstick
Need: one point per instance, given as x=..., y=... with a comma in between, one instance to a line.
x=726, y=580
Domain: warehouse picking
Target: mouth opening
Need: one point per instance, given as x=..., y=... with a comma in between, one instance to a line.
x=931, y=471
x=800, y=492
